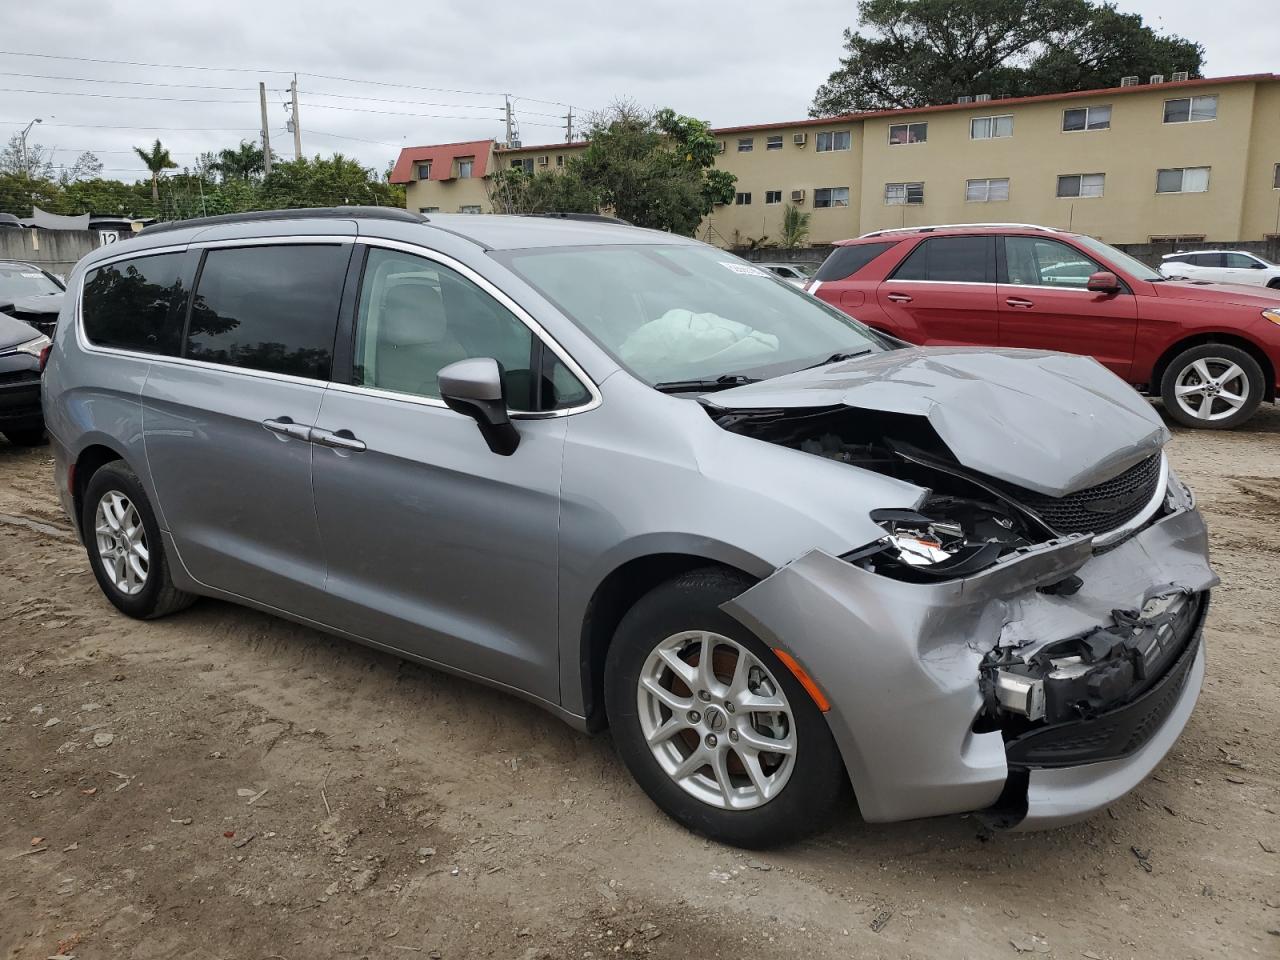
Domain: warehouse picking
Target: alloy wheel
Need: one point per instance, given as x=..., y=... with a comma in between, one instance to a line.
x=716, y=720
x=1211, y=388
x=122, y=542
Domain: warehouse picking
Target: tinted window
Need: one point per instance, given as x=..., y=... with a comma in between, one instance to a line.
x=1035, y=261
x=269, y=308
x=955, y=259
x=1238, y=261
x=846, y=261
x=417, y=316
x=127, y=304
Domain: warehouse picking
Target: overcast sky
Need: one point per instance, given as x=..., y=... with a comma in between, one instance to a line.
x=726, y=61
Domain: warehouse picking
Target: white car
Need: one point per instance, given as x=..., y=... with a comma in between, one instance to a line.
x=796, y=274
x=1224, y=266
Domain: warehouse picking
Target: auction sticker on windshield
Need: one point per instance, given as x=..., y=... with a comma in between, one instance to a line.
x=744, y=269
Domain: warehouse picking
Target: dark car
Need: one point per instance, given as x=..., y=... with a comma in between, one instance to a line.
x=1210, y=350
x=30, y=300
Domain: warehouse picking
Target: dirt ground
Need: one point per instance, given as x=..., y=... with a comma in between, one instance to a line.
x=221, y=784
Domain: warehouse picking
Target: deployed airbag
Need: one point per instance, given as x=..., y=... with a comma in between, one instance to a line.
x=682, y=337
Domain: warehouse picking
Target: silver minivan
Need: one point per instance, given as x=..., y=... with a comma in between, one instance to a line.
x=790, y=563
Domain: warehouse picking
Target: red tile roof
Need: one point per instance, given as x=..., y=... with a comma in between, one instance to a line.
x=441, y=157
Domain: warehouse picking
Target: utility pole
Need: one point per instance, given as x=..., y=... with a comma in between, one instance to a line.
x=297, y=128
x=26, y=169
x=568, y=127
x=266, y=135
x=507, y=99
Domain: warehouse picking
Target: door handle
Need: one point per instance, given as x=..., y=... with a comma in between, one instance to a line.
x=285, y=427
x=1019, y=302
x=338, y=439
x=899, y=298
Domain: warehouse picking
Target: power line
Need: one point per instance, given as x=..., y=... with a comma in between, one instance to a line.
x=339, y=136
x=114, y=96
x=424, y=116
x=131, y=83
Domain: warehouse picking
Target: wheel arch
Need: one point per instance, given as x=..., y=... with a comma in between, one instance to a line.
x=617, y=593
x=1227, y=339
x=89, y=461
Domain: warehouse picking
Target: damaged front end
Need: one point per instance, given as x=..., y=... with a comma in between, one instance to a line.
x=1013, y=645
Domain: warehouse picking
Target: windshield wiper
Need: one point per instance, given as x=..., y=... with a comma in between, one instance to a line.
x=837, y=357
x=724, y=382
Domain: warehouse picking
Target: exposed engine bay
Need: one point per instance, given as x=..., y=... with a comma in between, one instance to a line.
x=968, y=521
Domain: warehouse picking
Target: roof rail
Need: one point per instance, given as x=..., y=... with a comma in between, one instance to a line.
x=959, y=226
x=589, y=217
x=301, y=213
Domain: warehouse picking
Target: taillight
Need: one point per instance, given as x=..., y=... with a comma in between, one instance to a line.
x=44, y=356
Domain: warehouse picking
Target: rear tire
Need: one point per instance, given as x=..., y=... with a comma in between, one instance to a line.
x=1213, y=386
x=745, y=794
x=124, y=545
x=27, y=437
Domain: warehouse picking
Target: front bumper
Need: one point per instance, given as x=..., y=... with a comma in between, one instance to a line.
x=20, y=400
x=900, y=663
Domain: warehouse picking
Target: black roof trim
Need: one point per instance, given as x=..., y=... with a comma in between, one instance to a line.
x=589, y=217
x=301, y=213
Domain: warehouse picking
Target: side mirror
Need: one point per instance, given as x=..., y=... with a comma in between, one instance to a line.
x=1104, y=281
x=1257, y=266
x=474, y=388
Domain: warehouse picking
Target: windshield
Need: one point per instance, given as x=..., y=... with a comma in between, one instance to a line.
x=1130, y=265
x=679, y=313
x=19, y=280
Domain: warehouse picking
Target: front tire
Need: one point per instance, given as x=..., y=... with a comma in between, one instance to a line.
x=1214, y=386
x=124, y=544
x=730, y=745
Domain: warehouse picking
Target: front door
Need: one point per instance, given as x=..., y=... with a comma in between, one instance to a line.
x=436, y=545
x=1045, y=303
x=226, y=435
x=944, y=293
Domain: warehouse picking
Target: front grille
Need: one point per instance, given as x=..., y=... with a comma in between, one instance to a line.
x=1099, y=509
x=20, y=376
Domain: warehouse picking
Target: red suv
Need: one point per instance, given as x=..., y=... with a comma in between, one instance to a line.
x=1210, y=350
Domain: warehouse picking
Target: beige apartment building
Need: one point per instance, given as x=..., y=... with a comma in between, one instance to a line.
x=1185, y=160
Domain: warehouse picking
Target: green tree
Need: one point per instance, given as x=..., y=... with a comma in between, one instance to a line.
x=33, y=160
x=912, y=53
x=547, y=191
x=325, y=182
x=795, y=227
x=157, y=160
x=244, y=162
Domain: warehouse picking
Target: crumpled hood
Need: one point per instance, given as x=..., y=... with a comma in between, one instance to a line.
x=50, y=303
x=13, y=332
x=1207, y=291
x=1050, y=422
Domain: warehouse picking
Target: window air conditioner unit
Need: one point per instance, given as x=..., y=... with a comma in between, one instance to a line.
x=797, y=196
x=513, y=145
x=1128, y=81
x=1180, y=75
x=982, y=97
x=543, y=160
x=799, y=139
x=1157, y=78
x=964, y=99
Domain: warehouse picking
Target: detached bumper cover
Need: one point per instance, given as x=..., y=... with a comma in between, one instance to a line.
x=20, y=399
x=900, y=663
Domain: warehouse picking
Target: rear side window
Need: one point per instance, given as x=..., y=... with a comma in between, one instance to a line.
x=950, y=259
x=846, y=261
x=269, y=308
x=132, y=304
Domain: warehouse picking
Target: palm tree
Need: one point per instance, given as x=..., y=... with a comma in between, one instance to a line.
x=795, y=227
x=157, y=161
x=241, y=163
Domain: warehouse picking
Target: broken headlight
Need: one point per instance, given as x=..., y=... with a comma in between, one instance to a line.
x=947, y=537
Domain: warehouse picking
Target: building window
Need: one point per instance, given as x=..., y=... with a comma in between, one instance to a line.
x=1183, y=180
x=746, y=144
x=908, y=133
x=1275, y=178
x=559, y=159
x=1181, y=238
x=428, y=209
x=991, y=128
x=742, y=199
x=424, y=171
x=983, y=191
x=1086, y=118
x=464, y=167
x=900, y=193
x=831, y=197
x=773, y=142
x=1081, y=184
x=525, y=164
x=834, y=140
x=773, y=196
x=469, y=208
x=1191, y=109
